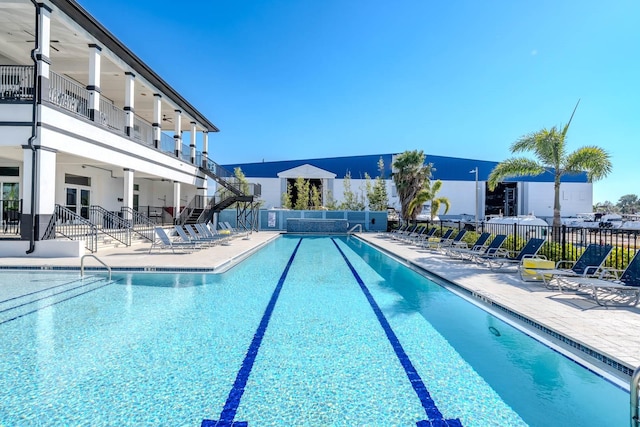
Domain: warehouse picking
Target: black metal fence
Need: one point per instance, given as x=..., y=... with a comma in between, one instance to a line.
x=567, y=243
x=11, y=213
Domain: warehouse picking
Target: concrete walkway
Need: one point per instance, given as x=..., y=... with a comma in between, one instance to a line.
x=613, y=332
x=214, y=258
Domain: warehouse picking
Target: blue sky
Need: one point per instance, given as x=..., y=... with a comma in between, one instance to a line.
x=300, y=79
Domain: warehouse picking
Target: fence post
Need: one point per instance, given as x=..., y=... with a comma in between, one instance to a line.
x=563, y=240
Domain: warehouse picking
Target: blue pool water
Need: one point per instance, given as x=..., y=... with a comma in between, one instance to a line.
x=306, y=332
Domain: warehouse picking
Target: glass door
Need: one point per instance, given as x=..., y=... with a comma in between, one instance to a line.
x=78, y=201
x=10, y=212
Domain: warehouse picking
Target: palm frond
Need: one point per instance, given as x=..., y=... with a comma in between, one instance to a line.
x=516, y=166
x=595, y=161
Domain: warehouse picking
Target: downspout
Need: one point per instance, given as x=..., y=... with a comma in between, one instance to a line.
x=34, y=131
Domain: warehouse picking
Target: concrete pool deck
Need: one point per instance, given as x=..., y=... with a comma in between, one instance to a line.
x=610, y=331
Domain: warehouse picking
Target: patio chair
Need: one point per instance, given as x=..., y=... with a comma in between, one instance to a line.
x=478, y=256
x=206, y=231
x=424, y=237
x=196, y=236
x=444, y=244
x=455, y=250
x=588, y=264
x=163, y=241
x=418, y=231
x=529, y=250
x=407, y=232
x=401, y=228
x=227, y=226
x=611, y=288
x=434, y=243
x=184, y=238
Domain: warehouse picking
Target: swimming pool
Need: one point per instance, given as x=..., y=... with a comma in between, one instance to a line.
x=306, y=332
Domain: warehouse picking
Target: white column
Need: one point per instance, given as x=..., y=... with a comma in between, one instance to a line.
x=129, y=108
x=192, y=145
x=205, y=148
x=94, y=81
x=157, y=119
x=128, y=192
x=44, y=188
x=176, y=199
x=177, y=136
x=44, y=49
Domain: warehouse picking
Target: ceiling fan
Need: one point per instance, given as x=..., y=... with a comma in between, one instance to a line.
x=166, y=119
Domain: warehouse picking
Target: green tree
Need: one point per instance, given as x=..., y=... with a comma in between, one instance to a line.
x=628, y=203
x=549, y=147
x=240, y=181
x=352, y=202
x=330, y=203
x=411, y=176
x=302, y=194
x=429, y=194
x=377, y=191
x=286, y=197
x=316, y=202
x=605, y=207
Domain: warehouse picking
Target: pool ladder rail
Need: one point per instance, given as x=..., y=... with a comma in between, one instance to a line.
x=635, y=405
x=97, y=259
x=353, y=229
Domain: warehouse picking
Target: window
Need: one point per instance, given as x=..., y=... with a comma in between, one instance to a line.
x=77, y=180
x=9, y=171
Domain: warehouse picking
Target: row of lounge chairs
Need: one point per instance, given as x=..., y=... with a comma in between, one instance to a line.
x=191, y=237
x=586, y=274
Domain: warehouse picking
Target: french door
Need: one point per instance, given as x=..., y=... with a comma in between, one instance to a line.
x=78, y=200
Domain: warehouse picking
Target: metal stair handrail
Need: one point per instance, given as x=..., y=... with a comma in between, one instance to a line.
x=197, y=202
x=635, y=404
x=139, y=223
x=221, y=175
x=112, y=224
x=72, y=226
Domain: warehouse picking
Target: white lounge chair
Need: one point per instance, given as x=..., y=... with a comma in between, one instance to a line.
x=163, y=241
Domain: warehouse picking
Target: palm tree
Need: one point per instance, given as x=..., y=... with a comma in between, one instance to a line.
x=550, y=149
x=410, y=177
x=428, y=194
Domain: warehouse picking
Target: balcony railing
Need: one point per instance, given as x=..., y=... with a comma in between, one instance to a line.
x=111, y=116
x=69, y=95
x=167, y=143
x=16, y=82
x=185, y=153
x=142, y=131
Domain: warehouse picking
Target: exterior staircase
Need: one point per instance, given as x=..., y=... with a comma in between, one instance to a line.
x=243, y=195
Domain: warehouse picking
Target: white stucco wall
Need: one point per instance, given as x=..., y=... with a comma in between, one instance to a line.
x=533, y=197
x=574, y=198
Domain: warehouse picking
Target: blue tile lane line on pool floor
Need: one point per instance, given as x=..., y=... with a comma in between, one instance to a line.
x=434, y=416
x=41, y=307
x=233, y=401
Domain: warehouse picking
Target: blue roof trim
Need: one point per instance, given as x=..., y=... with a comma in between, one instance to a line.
x=445, y=168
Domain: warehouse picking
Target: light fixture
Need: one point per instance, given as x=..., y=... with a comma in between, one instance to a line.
x=475, y=170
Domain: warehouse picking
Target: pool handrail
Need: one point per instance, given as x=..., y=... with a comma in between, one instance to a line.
x=635, y=405
x=97, y=259
x=352, y=229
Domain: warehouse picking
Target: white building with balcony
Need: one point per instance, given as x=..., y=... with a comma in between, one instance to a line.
x=89, y=134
